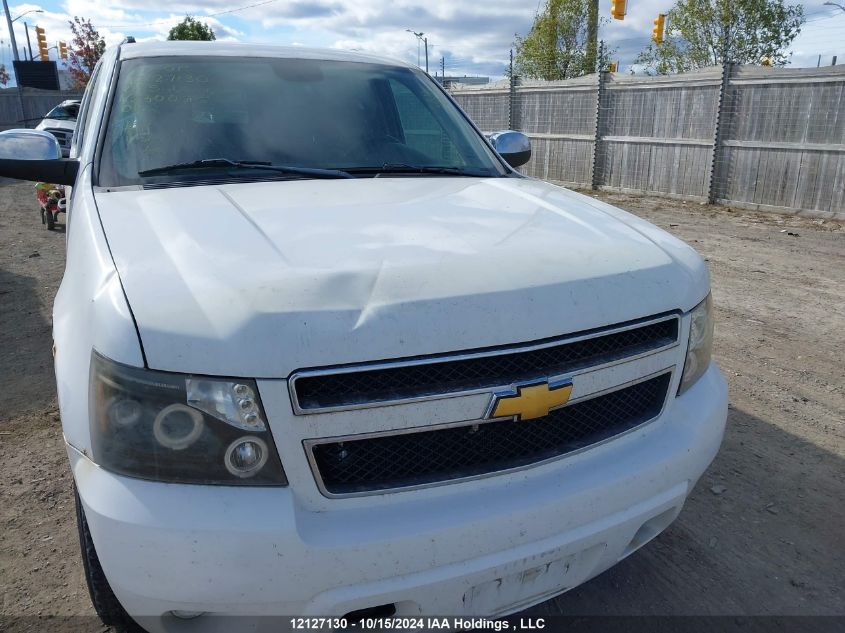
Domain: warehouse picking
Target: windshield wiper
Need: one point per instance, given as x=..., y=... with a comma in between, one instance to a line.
x=211, y=163
x=402, y=168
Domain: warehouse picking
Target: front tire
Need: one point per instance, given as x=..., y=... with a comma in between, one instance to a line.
x=105, y=603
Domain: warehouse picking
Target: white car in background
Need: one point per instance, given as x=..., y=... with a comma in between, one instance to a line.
x=61, y=122
x=321, y=350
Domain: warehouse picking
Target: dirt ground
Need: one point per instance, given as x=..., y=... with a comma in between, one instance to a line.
x=763, y=533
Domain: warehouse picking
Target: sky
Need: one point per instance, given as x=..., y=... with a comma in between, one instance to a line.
x=473, y=38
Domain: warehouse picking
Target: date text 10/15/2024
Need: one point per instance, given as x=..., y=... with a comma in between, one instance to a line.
x=417, y=624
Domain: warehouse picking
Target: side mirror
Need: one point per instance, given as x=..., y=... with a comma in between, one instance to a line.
x=35, y=155
x=514, y=147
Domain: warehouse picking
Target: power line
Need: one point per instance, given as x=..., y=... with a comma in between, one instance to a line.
x=207, y=15
x=249, y=6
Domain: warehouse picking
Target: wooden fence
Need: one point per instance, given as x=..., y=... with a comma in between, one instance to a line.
x=762, y=138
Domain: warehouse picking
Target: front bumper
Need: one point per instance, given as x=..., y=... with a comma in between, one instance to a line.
x=485, y=548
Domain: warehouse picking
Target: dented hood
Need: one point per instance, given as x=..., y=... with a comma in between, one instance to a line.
x=260, y=279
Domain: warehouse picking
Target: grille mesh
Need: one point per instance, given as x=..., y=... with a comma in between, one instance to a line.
x=450, y=376
x=62, y=136
x=425, y=457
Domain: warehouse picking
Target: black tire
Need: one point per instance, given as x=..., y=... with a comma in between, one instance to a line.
x=51, y=220
x=105, y=603
x=43, y=216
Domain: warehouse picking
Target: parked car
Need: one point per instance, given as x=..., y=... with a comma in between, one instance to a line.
x=321, y=350
x=60, y=122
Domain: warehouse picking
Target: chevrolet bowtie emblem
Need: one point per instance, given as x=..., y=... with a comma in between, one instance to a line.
x=531, y=401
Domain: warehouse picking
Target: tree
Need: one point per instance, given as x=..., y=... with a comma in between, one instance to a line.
x=4, y=75
x=557, y=46
x=191, y=29
x=85, y=51
x=703, y=33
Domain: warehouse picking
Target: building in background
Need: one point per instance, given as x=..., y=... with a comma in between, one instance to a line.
x=450, y=80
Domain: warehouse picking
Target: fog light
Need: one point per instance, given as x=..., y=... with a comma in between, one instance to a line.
x=246, y=456
x=178, y=426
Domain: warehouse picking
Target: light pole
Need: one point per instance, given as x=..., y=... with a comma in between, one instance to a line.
x=28, y=44
x=420, y=37
x=10, y=21
x=11, y=31
x=26, y=26
x=27, y=12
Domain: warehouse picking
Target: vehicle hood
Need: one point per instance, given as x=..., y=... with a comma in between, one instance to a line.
x=61, y=124
x=261, y=279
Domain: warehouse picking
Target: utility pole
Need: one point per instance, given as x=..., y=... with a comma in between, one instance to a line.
x=442, y=68
x=17, y=58
x=11, y=31
x=28, y=45
x=420, y=38
x=592, y=33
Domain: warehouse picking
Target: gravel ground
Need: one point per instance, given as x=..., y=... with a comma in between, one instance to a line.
x=762, y=533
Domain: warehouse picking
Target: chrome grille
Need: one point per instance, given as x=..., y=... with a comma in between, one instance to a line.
x=425, y=457
x=437, y=376
x=62, y=136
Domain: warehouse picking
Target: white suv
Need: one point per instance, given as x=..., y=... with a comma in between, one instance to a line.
x=61, y=122
x=321, y=350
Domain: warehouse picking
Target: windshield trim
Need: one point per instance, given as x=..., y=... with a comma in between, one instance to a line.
x=105, y=116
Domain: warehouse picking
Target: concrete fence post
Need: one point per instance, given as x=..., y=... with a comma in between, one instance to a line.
x=595, y=177
x=513, y=81
x=716, y=155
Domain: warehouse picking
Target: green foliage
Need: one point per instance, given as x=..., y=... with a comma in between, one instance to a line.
x=191, y=29
x=86, y=48
x=4, y=75
x=556, y=46
x=702, y=33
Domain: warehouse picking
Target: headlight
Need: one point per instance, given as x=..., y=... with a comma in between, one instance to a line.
x=178, y=428
x=700, y=344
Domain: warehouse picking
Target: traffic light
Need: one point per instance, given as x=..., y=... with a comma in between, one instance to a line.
x=617, y=9
x=659, y=26
x=613, y=66
x=62, y=50
x=41, y=38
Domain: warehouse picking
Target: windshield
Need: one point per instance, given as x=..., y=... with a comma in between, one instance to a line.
x=64, y=112
x=315, y=114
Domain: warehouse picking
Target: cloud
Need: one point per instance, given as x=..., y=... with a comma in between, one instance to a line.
x=473, y=37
